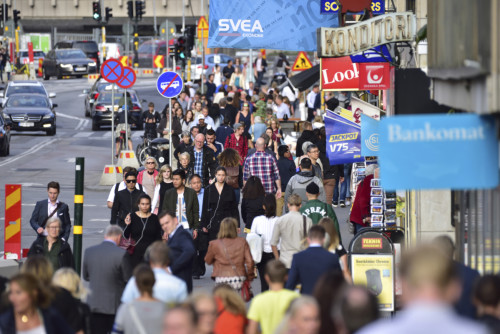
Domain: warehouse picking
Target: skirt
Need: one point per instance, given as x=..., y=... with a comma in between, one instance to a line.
x=235, y=282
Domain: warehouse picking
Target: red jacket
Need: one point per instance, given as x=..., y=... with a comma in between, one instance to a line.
x=361, y=205
x=227, y=322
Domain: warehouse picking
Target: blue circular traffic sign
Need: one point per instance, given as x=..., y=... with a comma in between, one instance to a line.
x=111, y=70
x=169, y=84
x=128, y=78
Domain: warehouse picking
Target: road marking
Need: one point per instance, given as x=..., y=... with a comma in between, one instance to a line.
x=83, y=134
x=28, y=204
x=98, y=220
x=82, y=122
x=32, y=150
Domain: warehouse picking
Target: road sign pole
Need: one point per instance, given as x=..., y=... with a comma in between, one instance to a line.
x=202, y=59
x=170, y=146
x=167, y=61
x=113, y=124
x=126, y=119
x=78, y=223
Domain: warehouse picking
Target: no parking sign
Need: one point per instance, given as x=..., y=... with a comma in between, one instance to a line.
x=169, y=84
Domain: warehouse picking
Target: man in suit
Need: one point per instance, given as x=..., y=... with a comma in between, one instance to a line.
x=106, y=269
x=52, y=207
x=183, y=201
x=310, y=264
x=181, y=246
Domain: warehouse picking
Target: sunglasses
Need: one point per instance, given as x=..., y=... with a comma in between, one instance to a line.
x=131, y=181
x=150, y=163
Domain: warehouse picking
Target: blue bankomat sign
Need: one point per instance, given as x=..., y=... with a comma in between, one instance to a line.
x=442, y=151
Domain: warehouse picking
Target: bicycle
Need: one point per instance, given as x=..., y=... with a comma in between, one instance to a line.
x=123, y=143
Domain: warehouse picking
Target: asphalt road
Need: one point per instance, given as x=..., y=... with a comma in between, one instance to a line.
x=37, y=159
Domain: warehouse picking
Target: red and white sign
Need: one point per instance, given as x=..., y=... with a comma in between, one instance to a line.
x=339, y=74
x=374, y=76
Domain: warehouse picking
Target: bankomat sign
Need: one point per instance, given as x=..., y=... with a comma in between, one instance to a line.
x=383, y=29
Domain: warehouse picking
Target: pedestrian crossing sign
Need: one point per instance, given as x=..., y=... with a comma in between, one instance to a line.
x=302, y=62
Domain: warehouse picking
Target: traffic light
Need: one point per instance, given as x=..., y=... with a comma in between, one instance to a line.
x=180, y=48
x=130, y=9
x=190, y=32
x=96, y=11
x=108, y=14
x=17, y=17
x=140, y=9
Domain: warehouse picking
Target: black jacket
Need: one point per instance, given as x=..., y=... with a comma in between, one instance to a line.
x=209, y=163
x=65, y=255
x=176, y=130
x=181, y=148
x=215, y=209
x=229, y=112
x=52, y=321
x=287, y=170
x=251, y=208
x=125, y=203
x=307, y=135
x=329, y=171
x=182, y=253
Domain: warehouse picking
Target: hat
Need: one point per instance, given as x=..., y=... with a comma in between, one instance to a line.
x=312, y=188
x=201, y=117
x=236, y=126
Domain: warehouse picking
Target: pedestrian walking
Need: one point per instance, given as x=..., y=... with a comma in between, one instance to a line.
x=151, y=118
x=147, y=177
x=52, y=207
x=219, y=203
x=201, y=241
x=202, y=159
x=299, y=182
x=163, y=183
x=231, y=160
x=121, y=185
x=333, y=243
x=125, y=201
x=185, y=165
x=252, y=202
x=302, y=317
x=287, y=169
x=167, y=288
x=204, y=305
x=106, y=269
x=238, y=141
x=231, y=311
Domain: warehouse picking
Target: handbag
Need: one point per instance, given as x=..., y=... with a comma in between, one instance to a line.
x=303, y=242
x=256, y=243
x=128, y=244
x=246, y=288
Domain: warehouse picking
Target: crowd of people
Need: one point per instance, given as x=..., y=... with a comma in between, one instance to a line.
x=234, y=176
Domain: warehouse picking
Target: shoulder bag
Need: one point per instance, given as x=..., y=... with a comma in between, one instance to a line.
x=136, y=320
x=44, y=222
x=246, y=288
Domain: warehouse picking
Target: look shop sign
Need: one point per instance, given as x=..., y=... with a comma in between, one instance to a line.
x=383, y=29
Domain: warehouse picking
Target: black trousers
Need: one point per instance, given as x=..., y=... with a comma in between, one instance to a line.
x=261, y=267
x=310, y=114
x=101, y=323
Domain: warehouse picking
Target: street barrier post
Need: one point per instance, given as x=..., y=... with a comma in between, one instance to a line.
x=78, y=223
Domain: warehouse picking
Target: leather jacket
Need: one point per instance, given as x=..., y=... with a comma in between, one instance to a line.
x=237, y=252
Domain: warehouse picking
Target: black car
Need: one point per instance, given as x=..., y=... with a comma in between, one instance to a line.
x=4, y=136
x=92, y=94
x=101, y=111
x=67, y=62
x=31, y=112
x=90, y=48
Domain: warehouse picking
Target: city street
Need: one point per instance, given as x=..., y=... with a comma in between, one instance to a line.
x=36, y=159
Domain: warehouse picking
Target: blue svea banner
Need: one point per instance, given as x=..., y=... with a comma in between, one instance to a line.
x=267, y=24
x=442, y=151
x=343, y=139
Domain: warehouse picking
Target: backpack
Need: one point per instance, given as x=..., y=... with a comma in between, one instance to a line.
x=232, y=177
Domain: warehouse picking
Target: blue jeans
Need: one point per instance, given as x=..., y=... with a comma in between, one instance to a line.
x=237, y=193
x=344, y=187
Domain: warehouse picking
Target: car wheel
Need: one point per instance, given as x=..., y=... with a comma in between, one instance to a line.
x=4, y=151
x=95, y=126
x=44, y=74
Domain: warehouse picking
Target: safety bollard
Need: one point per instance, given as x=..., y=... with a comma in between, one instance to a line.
x=78, y=223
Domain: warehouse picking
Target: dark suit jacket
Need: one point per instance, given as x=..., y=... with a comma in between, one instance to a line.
x=106, y=269
x=209, y=163
x=465, y=306
x=182, y=254
x=192, y=206
x=40, y=213
x=308, y=266
x=53, y=322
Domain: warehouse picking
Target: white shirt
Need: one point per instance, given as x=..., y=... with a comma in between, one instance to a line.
x=281, y=110
x=264, y=227
x=288, y=92
x=208, y=120
x=258, y=65
x=121, y=186
x=311, y=97
x=51, y=207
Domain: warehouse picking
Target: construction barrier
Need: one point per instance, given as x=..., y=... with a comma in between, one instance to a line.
x=128, y=158
x=111, y=174
x=12, y=236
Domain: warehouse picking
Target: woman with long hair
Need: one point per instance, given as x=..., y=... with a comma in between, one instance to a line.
x=230, y=159
x=219, y=202
x=272, y=144
x=163, y=183
x=230, y=256
x=144, y=314
x=143, y=228
x=253, y=198
x=264, y=226
x=187, y=121
x=245, y=116
x=274, y=124
x=30, y=311
x=327, y=290
x=334, y=245
x=231, y=310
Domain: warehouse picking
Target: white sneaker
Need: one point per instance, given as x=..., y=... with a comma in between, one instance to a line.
x=347, y=202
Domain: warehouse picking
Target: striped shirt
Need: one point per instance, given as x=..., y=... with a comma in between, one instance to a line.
x=264, y=166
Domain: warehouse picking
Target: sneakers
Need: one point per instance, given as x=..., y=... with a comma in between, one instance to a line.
x=347, y=202
x=335, y=204
x=342, y=204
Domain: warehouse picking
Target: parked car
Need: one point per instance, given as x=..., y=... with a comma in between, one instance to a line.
x=102, y=109
x=23, y=57
x=148, y=50
x=90, y=48
x=93, y=93
x=24, y=87
x=31, y=112
x=216, y=59
x=67, y=62
x=4, y=136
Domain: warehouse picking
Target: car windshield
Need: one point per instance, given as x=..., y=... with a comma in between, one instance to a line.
x=27, y=101
x=87, y=46
x=39, y=54
x=26, y=89
x=105, y=98
x=147, y=48
x=70, y=54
